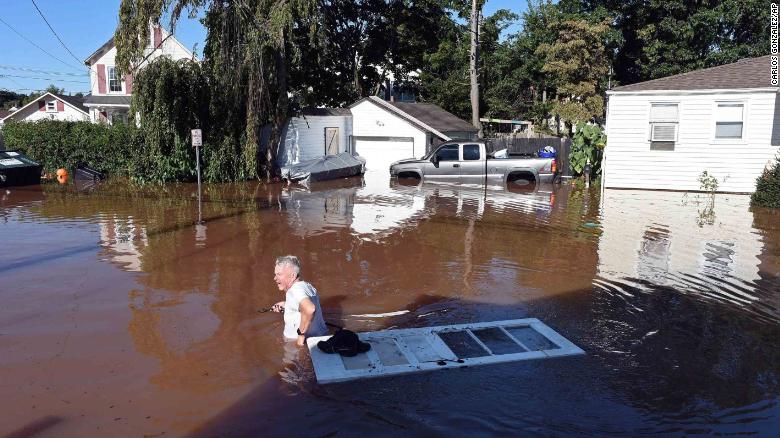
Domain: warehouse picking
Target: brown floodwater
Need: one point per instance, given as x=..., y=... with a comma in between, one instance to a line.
x=121, y=315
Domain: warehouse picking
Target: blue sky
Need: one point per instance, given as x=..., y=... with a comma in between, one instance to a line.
x=84, y=25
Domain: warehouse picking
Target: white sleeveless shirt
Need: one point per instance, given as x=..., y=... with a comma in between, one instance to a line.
x=292, y=313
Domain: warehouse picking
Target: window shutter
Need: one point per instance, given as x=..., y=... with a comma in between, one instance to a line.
x=129, y=84
x=60, y=106
x=157, y=36
x=101, y=78
x=663, y=112
x=41, y=105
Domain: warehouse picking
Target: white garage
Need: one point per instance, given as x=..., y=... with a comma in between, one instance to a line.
x=380, y=152
x=384, y=132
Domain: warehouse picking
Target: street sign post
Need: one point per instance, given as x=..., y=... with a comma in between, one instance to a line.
x=197, y=142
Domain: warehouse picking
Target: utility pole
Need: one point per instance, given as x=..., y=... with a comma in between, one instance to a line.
x=474, y=62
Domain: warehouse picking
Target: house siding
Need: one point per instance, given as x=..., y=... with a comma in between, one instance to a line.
x=735, y=163
x=304, y=137
x=170, y=47
x=32, y=113
x=369, y=120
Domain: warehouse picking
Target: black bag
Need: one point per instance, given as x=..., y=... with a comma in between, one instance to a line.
x=344, y=342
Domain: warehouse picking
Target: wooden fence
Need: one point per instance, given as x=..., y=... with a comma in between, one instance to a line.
x=531, y=145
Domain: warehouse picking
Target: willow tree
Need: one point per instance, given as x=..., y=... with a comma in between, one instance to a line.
x=249, y=46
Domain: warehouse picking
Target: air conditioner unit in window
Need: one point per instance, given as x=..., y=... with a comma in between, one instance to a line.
x=663, y=132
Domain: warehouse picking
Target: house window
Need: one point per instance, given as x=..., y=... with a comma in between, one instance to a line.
x=728, y=120
x=114, y=83
x=51, y=106
x=664, y=124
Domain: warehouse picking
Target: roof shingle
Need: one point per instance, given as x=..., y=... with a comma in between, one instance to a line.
x=435, y=117
x=745, y=73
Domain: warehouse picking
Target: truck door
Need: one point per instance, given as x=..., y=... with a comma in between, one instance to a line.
x=472, y=165
x=448, y=167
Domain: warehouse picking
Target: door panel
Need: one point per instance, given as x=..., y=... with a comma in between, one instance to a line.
x=448, y=169
x=331, y=141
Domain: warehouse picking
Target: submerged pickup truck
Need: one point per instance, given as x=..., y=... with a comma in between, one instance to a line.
x=469, y=162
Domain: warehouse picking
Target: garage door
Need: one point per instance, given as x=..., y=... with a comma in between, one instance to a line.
x=380, y=152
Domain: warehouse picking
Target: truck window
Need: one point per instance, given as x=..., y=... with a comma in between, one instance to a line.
x=470, y=152
x=448, y=153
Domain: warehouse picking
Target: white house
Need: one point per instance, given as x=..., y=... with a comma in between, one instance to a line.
x=51, y=106
x=109, y=99
x=662, y=134
x=384, y=132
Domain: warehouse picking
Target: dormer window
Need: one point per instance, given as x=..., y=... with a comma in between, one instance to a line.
x=114, y=83
x=51, y=106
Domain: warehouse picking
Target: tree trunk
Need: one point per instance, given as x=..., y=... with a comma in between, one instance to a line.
x=474, y=62
x=280, y=116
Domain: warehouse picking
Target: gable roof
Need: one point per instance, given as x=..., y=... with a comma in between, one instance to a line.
x=746, y=73
x=72, y=101
x=435, y=117
x=4, y=113
x=75, y=101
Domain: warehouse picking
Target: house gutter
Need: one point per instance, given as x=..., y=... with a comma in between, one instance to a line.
x=693, y=92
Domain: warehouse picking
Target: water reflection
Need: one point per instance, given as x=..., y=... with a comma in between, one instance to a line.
x=658, y=239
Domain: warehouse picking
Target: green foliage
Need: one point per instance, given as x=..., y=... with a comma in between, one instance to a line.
x=587, y=144
x=171, y=98
x=58, y=144
x=708, y=183
x=576, y=63
x=665, y=37
x=9, y=99
x=767, y=192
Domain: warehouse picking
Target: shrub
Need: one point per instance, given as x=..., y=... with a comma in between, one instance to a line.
x=587, y=144
x=767, y=192
x=57, y=144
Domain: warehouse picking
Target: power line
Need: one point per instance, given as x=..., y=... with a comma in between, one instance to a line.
x=52, y=31
x=35, y=70
x=39, y=90
x=42, y=79
x=15, y=82
x=39, y=47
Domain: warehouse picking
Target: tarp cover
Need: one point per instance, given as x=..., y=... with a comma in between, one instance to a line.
x=320, y=169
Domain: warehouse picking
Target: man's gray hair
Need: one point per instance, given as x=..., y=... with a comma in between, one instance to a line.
x=291, y=261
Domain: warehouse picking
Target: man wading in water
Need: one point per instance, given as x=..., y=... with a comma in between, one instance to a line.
x=301, y=307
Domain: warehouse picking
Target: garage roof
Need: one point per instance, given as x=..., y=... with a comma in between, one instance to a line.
x=435, y=117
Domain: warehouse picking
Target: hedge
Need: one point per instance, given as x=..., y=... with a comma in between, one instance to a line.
x=767, y=192
x=55, y=144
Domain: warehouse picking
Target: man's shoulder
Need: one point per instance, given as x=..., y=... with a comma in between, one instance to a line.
x=303, y=288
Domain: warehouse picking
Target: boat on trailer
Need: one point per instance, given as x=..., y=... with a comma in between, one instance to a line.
x=405, y=351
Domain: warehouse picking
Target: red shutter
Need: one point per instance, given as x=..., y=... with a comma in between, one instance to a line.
x=101, y=70
x=60, y=106
x=129, y=84
x=157, y=36
x=41, y=105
